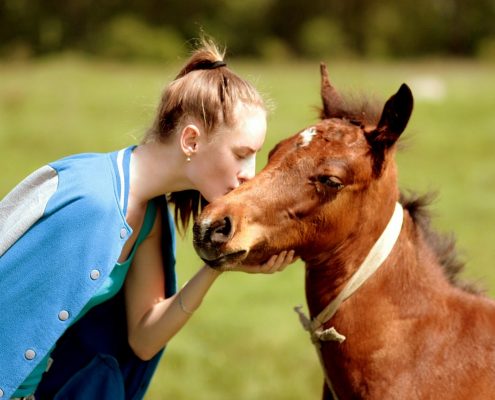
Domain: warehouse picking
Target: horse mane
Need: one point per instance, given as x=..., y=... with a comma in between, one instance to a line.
x=359, y=109
x=443, y=245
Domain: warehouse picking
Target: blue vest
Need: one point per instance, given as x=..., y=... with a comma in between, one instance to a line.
x=55, y=267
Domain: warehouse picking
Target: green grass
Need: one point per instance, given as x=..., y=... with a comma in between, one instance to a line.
x=246, y=342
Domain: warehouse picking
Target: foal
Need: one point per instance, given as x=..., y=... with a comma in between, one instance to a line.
x=387, y=321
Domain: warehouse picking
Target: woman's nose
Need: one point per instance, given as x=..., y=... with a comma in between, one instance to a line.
x=244, y=177
x=247, y=171
x=241, y=180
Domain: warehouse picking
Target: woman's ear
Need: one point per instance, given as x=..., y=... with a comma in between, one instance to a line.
x=189, y=139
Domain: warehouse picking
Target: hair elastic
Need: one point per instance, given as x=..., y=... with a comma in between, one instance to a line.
x=207, y=64
x=218, y=64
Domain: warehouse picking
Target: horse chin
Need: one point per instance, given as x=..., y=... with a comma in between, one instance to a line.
x=257, y=256
x=226, y=261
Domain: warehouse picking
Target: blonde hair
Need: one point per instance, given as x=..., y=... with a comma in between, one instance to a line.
x=208, y=91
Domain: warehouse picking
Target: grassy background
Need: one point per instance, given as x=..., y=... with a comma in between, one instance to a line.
x=245, y=342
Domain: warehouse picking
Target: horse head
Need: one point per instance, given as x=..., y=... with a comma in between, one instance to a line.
x=316, y=190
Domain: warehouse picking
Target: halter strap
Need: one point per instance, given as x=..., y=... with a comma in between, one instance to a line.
x=375, y=258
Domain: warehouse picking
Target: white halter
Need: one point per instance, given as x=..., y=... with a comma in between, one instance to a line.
x=375, y=258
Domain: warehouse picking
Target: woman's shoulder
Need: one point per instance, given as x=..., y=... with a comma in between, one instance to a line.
x=82, y=162
x=87, y=179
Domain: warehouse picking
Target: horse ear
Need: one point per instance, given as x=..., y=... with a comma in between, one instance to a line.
x=332, y=102
x=394, y=118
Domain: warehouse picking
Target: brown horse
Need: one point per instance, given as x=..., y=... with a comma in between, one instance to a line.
x=387, y=319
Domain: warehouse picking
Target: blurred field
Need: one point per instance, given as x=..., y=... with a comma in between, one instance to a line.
x=246, y=342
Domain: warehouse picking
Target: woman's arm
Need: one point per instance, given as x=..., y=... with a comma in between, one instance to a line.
x=153, y=320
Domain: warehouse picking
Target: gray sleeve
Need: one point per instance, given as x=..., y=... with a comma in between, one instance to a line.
x=25, y=204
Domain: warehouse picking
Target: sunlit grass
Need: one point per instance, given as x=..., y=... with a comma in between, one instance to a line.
x=246, y=342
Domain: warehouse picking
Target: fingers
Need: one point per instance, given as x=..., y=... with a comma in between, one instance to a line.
x=270, y=266
x=278, y=262
x=291, y=257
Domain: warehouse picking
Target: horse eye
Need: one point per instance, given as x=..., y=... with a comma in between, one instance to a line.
x=331, y=181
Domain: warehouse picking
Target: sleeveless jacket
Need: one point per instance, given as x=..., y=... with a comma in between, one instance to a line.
x=62, y=230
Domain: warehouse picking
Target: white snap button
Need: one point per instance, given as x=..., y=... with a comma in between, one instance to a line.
x=30, y=354
x=123, y=233
x=63, y=315
x=1, y=393
x=94, y=274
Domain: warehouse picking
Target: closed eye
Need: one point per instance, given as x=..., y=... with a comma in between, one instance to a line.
x=240, y=156
x=244, y=152
x=330, y=181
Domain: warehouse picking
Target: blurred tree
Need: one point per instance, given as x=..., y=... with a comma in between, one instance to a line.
x=364, y=28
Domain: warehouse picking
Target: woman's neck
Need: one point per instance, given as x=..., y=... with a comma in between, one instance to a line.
x=157, y=169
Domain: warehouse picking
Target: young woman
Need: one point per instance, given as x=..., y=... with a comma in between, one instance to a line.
x=87, y=287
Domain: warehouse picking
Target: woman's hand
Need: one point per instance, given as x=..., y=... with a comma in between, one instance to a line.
x=276, y=263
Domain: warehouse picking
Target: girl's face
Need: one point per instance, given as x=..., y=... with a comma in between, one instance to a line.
x=228, y=158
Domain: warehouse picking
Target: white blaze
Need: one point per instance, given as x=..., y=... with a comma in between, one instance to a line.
x=307, y=136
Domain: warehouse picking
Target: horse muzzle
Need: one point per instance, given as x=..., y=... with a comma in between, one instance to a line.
x=211, y=242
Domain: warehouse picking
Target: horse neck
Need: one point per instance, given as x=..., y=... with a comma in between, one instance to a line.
x=381, y=315
x=327, y=274
x=407, y=310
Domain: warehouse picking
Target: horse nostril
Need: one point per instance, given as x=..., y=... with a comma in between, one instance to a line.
x=221, y=232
